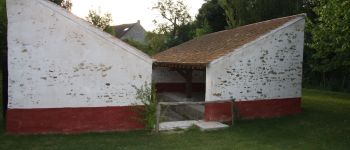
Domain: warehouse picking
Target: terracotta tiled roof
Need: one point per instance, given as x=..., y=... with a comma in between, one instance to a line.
x=197, y=53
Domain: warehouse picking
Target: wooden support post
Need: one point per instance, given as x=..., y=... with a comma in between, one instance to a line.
x=187, y=75
x=189, y=84
x=158, y=110
x=233, y=112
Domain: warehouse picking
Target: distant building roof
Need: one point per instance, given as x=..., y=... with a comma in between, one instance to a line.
x=121, y=30
x=197, y=53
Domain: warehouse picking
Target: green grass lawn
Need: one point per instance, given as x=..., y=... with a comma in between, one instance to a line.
x=323, y=124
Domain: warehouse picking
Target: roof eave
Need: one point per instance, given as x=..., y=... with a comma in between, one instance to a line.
x=191, y=66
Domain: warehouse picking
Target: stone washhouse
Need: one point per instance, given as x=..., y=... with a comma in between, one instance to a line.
x=258, y=66
x=66, y=76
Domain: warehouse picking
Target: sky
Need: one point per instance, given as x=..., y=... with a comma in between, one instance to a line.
x=128, y=11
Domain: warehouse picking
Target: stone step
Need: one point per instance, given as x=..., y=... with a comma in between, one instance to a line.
x=210, y=125
x=203, y=125
x=173, y=125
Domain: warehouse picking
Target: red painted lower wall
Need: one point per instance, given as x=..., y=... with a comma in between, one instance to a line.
x=124, y=118
x=179, y=87
x=253, y=109
x=73, y=120
x=218, y=112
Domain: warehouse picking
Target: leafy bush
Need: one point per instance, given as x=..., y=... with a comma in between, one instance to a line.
x=147, y=95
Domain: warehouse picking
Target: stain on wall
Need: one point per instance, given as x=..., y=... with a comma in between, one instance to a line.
x=269, y=68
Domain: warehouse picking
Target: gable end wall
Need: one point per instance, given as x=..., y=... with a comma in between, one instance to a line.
x=57, y=60
x=66, y=76
x=263, y=77
x=268, y=68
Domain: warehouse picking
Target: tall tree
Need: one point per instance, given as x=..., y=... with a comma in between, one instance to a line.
x=3, y=33
x=177, y=27
x=101, y=21
x=3, y=55
x=66, y=4
x=330, y=39
x=156, y=42
x=230, y=7
x=242, y=12
x=175, y=14
x=210, y=18
x=185, y=32
x=3, y=26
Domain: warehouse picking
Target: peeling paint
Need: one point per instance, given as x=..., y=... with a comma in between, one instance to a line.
x=57, y=60
x=270, y=68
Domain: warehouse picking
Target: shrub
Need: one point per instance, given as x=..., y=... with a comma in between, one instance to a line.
x=147, y=95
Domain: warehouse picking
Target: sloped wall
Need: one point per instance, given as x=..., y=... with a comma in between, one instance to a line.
x=58, y=60
x=269, y=68
x=263, y=77
x=66, y=75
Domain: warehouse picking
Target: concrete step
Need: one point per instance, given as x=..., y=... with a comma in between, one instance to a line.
x=173, y=125
x=210, y=125
x=203, y=125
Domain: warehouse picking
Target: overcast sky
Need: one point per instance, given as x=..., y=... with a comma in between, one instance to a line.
x=128, y=11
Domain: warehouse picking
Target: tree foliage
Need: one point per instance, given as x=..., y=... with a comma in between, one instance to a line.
x=242, y=12
x=330, y=38
x=156, y=42
x=3, y=31
x=3, y=55
x=141, y=46
x=66, y=4
x=210, y=18
x=177, y=26
x=331, y=34
x=101, y=21
x=203, y=29
x=147, y=95
x=175, y=13
x=230, y=7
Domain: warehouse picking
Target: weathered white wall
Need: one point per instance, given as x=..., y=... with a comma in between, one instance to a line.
x=58, y=60
x=267, y=68
x=166, y=75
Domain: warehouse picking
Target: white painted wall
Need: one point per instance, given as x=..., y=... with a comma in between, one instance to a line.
x=267, y=68
x=58, y=60
x=166, y=75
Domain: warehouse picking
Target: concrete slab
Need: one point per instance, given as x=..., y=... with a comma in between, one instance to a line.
x=173, y=125
x=205, y=125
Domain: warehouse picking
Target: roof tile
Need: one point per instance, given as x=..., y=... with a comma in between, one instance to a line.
x=200, y=51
